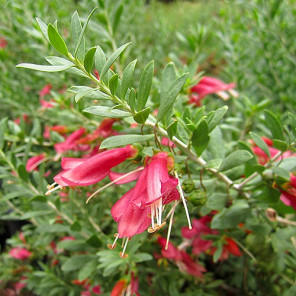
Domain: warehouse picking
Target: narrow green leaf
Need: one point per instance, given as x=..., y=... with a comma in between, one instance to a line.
x=113, y=83
x=217, y=117
x=260, y=143
x=280, y=145
x=145, y=85
x=44, y=68
x=123, y=140
x=113, y=58
x=127, y=78
x=117, y=17
x=132, y=99
x=87, y=270
x=100, y=59
x=23, y=172
x=43, y=27
x=230, y=217
x=82, y=33
x=171, y=96
x=274, y=125
x=76, y=262
x=56, y=40
x=218, y=252
x=81, y=94
x=89, y=59
x=57, y=61
x=235, y=159
x=76, y=30
x=200, y=138
x=283, y=173
x=292, y=120
x=172, y=129
x=88, y=93
x=106, y=112
x=141, y=117
x=168, y=76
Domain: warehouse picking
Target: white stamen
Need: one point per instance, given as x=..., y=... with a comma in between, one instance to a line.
x=51, y=185
x=170, y=226
x=224, y=95
x=152, y=216
x=125, y=245
x=160, y=211
x=116, y=238
x=111, y=183
x=183, y=200
x=48, y=192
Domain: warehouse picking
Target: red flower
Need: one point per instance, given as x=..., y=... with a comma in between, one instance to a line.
x=263, y=158
x=34, y=162
x=288, y=192
x=167, y=142
x=20, y=253
x=3, y=42
x=46, y=104
x=181, y=258
x=45, y=90
x=88, y=171
x=71, y=142
x=61, y=129
x=209, y=85
x=119, y=288
x=230, y=247
x=103, y=131
x=154, y=188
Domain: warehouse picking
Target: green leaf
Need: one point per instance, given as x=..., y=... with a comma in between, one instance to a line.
x=132, y=99
x=200, y=137
x=76, y=30
x=217, y=201
x=113, y=83
x=82, y=33
x=274, y=125
x=292, y=120
x=168, y=76
x=127, y=78
x=145, y=86
x=218, y=252
x=89, y=59
x=236, y=158
x=100, y=59
x=281, y=172
x=230, y=217
x=76, y=226
x=140, y=257
x=88, y=92
x=117, y=17
x=217, y=117
x=171, y=95
x=141, y=117
x=106, y=112
x=86, y=271
x=83, y=93
x=280, y=145
x=57, y=61
x=123, y=140
x=77, y=262
x=172, y=129
x=260, y=143
x=43, y=27
x=94, y=241
x=43, y=68
x=56, y=40
x=112, y=58
x=23, y=172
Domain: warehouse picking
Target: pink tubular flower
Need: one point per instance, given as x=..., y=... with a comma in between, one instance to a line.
x=103, y=131
x=34, y=161
x=3, y=43
x=45, y=90
x=119, y=288
x=209, y=85
x=181, y=258
x=71, y=142
x=154, y=188
x=288, y=192
x=263, y=158
x=46, y=104
x=20, y=253
x=88, y=171
x=167, y=142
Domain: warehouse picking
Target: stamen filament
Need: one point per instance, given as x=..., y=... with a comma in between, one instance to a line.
x=160, y=211
x=170, y=225
x=183, y=200
x=111, y=183
x=48, y=192
x=152, y=216
x=122, y=255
